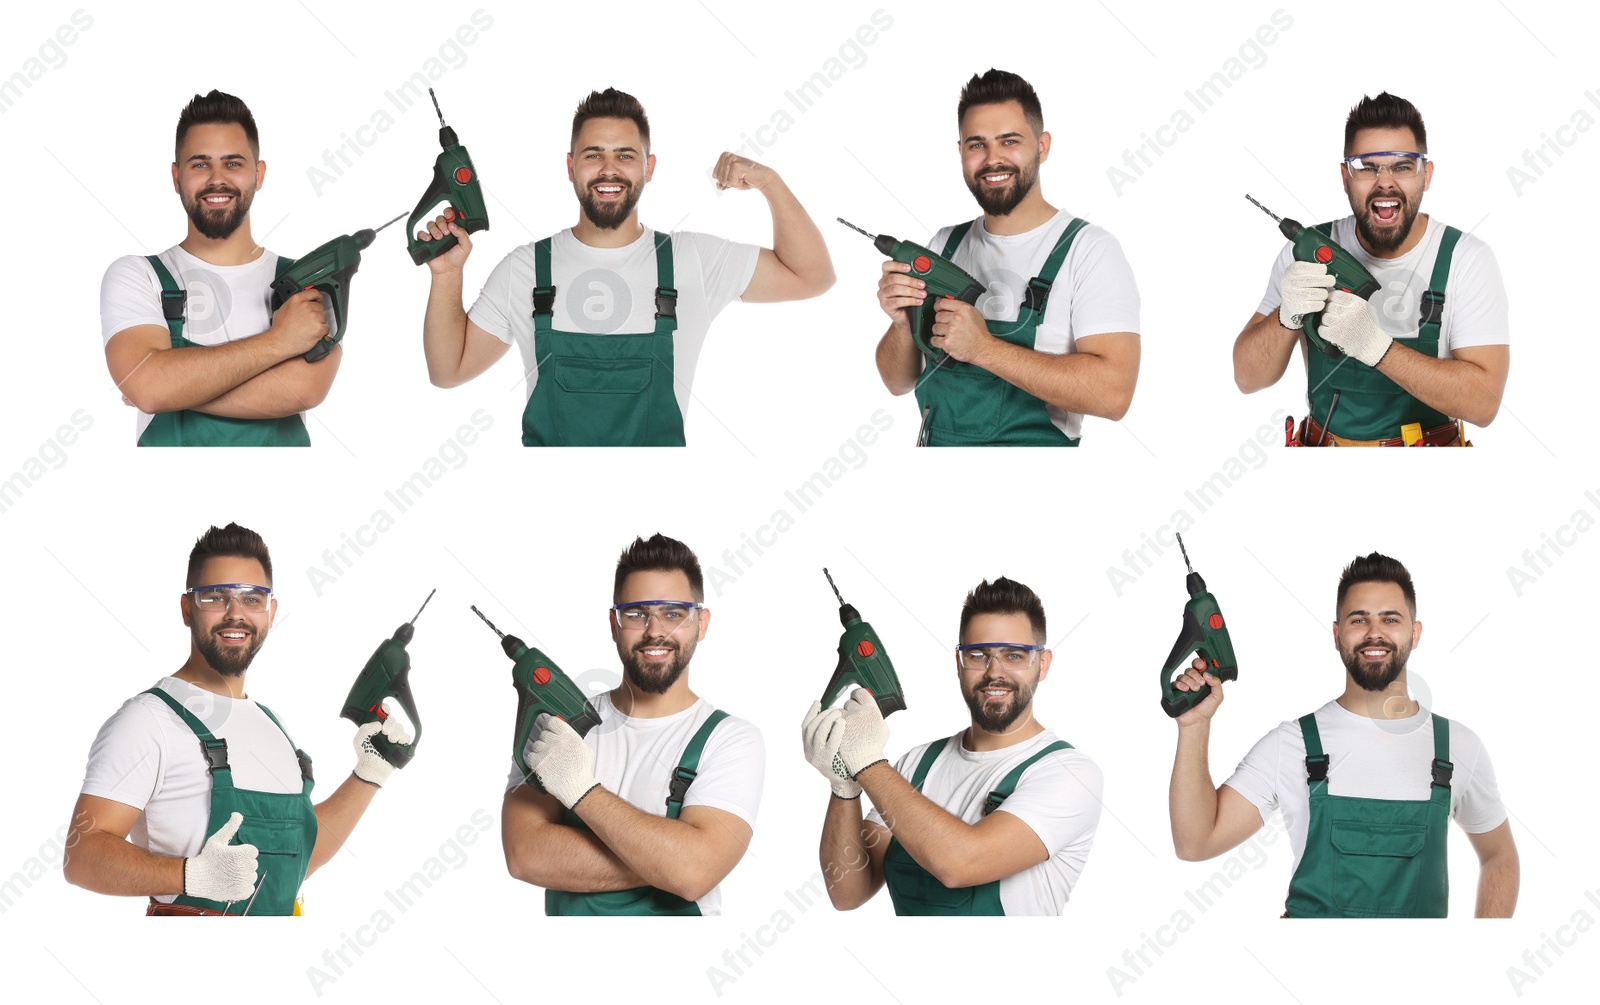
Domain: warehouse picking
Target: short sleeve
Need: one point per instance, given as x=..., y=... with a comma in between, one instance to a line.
x=1272, y=299
x=725, y=267
x=1256, y=776
x=1105, y=297
x=125, y=761
x=492, y=310
x=1474, y=793
x=129, y=297
x=1476, y=297
x=732, y=769
x=1059, y=798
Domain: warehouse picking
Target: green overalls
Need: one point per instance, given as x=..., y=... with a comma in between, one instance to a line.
x=641, y=900
x=603, y=390
x=913, y=888
x=188, y=428
x=965, y=405
x=282, y=825
x=1371, y=406
x=1373, y=858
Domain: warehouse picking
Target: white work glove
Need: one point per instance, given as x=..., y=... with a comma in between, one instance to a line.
x=561, y=761
x=1348, y=323
x=370, y=765
x=864, y=733
x=221, y=871
x=820, y=733
x=1302, y=290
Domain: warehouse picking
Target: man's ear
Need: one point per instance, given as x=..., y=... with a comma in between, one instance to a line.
x=186, y=609
x=705, y=622
x=1045, y=659
x=649, y=167
x=1044, y=147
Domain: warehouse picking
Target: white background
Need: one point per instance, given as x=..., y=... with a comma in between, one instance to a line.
x=95, y=546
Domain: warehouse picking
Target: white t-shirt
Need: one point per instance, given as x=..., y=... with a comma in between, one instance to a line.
x=1372, y=759
x=226, y=302
x=1475, y=307
x=1094, y=293
x=634, y=758
x=148, y=758
x=602, y=291
x=1058, y=798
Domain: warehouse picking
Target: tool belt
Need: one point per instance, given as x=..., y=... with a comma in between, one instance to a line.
x=1448, y=435
x=159, y=910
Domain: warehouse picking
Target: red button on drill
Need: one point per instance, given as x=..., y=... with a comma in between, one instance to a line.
x=921, y=264
x=864, y=648
x=1324, y=254
x=1216, y=621
x=541, y=675
x=463, y=175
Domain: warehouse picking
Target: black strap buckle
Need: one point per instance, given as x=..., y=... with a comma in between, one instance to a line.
x=1432, y=309
x=544, y=300
x=305, y=765
x=666, y=302
x=1442, y=773
x=1037, y=294
x=216, y=752
x=682, y=778
x=992, y=803
x=1316, y=767
x=173, y=303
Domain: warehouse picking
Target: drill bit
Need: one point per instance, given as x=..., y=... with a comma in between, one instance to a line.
x=853, y=227
x=487, y=621
x=436, y=107
x=1264, y=209
x=1184, y=550
x=417, y=615
x=830, y=578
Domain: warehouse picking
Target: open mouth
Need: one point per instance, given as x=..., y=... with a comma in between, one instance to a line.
x=607, y=191
x=656, y=653
x=234, y=636
x=996, y=692
x=994, y=179
x=1386, y=210
x=1375, y=653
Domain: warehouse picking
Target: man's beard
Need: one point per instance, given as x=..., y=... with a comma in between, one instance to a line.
x=998, y=720
x=1370, y=677
x=658, y=678
x=219, y=226
x=229, y=661
x=1000, y=202
x=1395, y=236
x=610, y=215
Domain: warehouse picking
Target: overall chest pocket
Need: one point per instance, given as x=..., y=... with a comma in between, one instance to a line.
x=1377, y=869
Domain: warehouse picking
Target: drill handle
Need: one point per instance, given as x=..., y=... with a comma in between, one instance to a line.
x=335, y=291
x=466, y=206
x=1197, y=638
x=400, y=754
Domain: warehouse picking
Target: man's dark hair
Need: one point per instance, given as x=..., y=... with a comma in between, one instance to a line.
x=1384, y=112
x=232, y=541
x=996, y=87
x=611, y=104
x=216, y=107
x=659, y=554
x=1004, y=596
x=1376, y=568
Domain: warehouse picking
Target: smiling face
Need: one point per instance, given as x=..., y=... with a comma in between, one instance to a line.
x=216, y=177
x=999, y=697
x=608, y=168
x=1375, y=634
x=228, y=639
x=655, y=656
x=1385, y=208
x=1000, y=155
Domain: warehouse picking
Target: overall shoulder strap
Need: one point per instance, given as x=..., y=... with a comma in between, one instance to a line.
x=928, y=757
x=303, y=757
x=1443, y=769
x=1008, y=784
x=173, y=299
x=957, y=235
x=1037, y=295
x=544, y=295
x=1316, y=760
x=689, y=764
x=214, y=749
x=666, y=293
x=1432, y=309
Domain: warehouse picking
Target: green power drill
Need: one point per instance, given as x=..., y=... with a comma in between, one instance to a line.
x=1350, y=275
x=1205, y=635
x=455, y=181
x=387, y=675
x=944, y=279
x=541, y=687
x=329, y=270
x=863, y=661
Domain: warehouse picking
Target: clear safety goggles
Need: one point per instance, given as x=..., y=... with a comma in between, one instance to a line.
x=1010, y=655
x=671, y=614
x=218, y=596
x=1401, y=165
